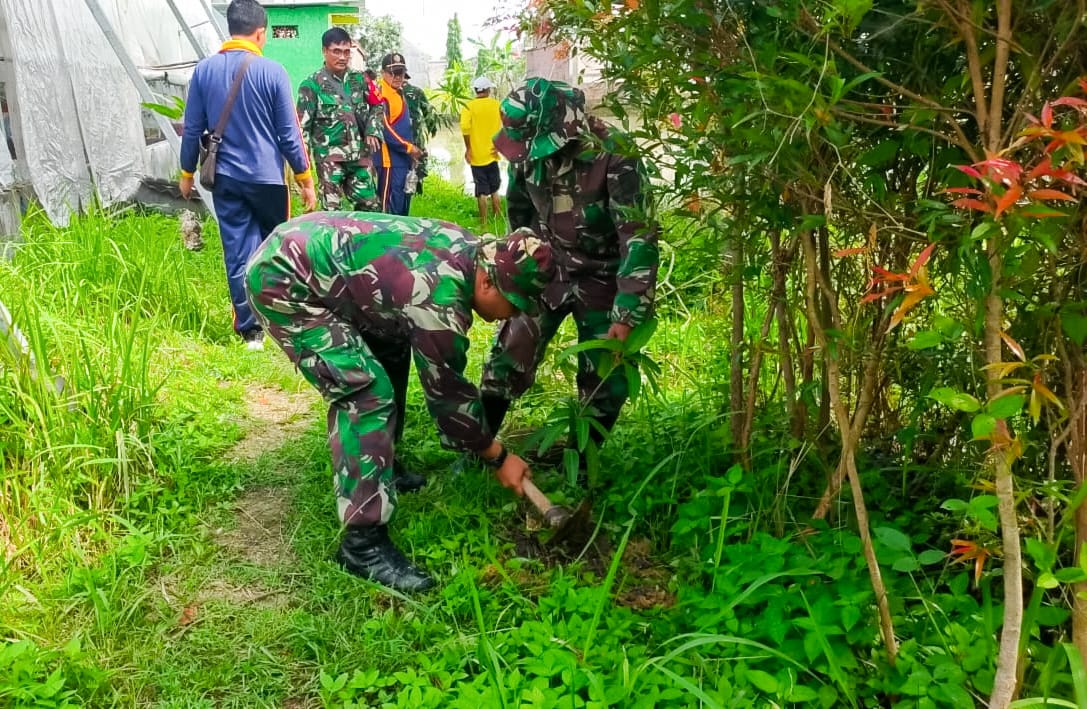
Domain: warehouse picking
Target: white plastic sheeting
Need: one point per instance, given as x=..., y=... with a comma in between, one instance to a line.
x=81, y=127
x=7, y=167
x=153, y=36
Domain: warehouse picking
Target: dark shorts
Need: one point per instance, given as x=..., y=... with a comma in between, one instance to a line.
x=487, y=178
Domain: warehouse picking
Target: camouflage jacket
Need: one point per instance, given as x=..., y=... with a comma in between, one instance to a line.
x=335, y=116
x=406, y=279
x=589, y=204
x=423, y=116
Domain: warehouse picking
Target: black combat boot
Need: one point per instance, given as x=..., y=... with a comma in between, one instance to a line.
x=368, y=552
x=405, y=479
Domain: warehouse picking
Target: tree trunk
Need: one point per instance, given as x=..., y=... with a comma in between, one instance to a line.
x=850, y=429
x=1005, y=681
x=782, y=265
x=736, y=342
x=754, y=368
x=1077, y=454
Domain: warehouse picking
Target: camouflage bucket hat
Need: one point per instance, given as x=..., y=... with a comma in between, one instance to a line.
x=539, y=118
x=519, y=266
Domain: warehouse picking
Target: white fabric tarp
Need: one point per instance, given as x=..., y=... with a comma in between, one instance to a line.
x=81, y=126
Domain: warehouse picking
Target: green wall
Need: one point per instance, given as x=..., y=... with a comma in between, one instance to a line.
x=301, y=55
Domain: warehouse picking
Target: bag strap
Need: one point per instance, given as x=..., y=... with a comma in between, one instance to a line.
x=229, y=105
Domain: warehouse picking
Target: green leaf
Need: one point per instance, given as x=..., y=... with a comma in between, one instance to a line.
x=955, y=505
x=892, y=538
x=571, y=460
x=983, y=230
x=882, y=154
x=811, y=221
x=931, y=556
x=906, y=564
x=1072, y=574
x=1047, y=580
x=984, y=502
x=924, y=340
x=1079, y=674
x=1042, y=703
x=1040, y=553
x=639, y=336
x=851, y=614
x=1074, y=326
x=590, y=345
x=1004, y=406
x=763, y=681
x=955, y=399
x=982, y=425
x=800, y=693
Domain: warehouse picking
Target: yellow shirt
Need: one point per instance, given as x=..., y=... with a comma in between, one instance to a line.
x=480, y=121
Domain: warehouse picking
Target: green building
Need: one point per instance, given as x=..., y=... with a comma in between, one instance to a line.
x=295, y=29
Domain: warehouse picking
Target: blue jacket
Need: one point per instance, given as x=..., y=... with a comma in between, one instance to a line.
x=262, y=129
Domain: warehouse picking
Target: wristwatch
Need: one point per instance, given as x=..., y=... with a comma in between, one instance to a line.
x=497, y=461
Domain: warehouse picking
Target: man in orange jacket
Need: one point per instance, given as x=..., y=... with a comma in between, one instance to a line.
x=399, y=154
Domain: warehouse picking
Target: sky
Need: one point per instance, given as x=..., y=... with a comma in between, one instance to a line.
x=425, y=21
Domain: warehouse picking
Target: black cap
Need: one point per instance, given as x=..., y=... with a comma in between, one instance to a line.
x=392, y=60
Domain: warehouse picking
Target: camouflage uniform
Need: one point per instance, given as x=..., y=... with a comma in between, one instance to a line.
x=336, y=120
x=568, y=183
x=425, y=120
x=343, y=294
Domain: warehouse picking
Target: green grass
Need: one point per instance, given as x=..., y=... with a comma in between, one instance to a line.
x=123, y=505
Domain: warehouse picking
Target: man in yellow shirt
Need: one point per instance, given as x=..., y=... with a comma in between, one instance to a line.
x=479, y=122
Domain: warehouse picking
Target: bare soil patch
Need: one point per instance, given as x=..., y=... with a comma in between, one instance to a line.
x=643, y=580
x=260, y=536
x=277, y=416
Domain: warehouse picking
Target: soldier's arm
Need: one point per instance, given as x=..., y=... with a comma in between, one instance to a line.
x=519, y=208
x=306, y=108
x=639, y=256
x=375, y=120
x=441, y=354
x=292, y=145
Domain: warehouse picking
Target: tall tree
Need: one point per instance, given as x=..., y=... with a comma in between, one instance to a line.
x=842, y=125
x=378, y=35
x=452, y=42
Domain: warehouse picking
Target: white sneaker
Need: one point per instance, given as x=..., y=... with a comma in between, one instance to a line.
x=254, y=341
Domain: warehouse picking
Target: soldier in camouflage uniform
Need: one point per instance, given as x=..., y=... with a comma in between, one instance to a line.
x=341, y=130
x=569, y=184
x=425, y=120
x=345, y=293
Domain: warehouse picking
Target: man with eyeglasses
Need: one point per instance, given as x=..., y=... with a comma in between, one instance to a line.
x=341, y=129
x=399, y=152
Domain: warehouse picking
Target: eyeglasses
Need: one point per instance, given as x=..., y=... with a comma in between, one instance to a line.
x=397, y=72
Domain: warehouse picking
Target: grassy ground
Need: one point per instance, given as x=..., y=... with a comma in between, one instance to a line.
x=167, y=529
x=204, y=577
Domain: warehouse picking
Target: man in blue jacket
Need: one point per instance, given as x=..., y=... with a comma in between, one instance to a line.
x=261, y=134
x=399, y=153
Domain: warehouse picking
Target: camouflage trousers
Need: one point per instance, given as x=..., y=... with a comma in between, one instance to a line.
x=521, y=342
x=348, y=186
x=361, y=376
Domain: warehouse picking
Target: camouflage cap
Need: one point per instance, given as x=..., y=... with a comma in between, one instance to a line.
x=539, y=118
x=519, y=266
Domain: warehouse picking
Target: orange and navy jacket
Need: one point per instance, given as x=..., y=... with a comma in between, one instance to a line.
x=399, y=136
